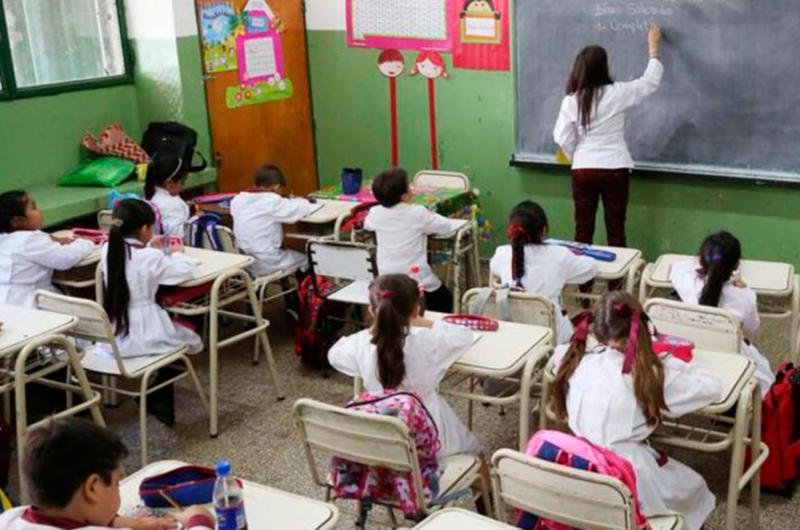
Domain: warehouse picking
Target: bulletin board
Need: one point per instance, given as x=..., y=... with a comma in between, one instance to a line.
x=401, y=24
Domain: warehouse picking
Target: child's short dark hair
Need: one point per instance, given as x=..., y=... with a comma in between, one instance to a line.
x=12, y=205
x=268, y=176
x=390, y=186
x=61, y=454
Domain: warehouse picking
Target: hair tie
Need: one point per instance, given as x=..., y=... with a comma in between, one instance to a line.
x=581, y=333
x=117, y=222
x=637, y=317
x=387, y=295
x=717, y=257
x=515, y=231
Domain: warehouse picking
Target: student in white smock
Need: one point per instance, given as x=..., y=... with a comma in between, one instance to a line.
x=72, y=471
x=617, y=392
x=402, y=231
x=258, y=219
x=712, y=280
x=29, y=256
x=133, y=270
x=166, y=176
x=404, y=350
x=530, y=265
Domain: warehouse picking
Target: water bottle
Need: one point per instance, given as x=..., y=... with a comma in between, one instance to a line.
x=414, y=273
x=228, y=500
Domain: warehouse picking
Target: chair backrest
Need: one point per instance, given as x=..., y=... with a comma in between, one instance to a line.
x=340, y=260
x=573, y=497
x=368, y=439
x=93, y=322
x=524, y=308
x=104, y=218
x=710, y=328
x=441, y=179
x=225, y=236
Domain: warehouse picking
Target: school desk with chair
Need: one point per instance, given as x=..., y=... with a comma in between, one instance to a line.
x=772, y=281
x=23, y=333
x=265, y=507
x=460, y=519
x=712, y=429
x=229, y=284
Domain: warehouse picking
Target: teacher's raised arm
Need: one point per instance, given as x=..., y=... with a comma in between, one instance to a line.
x=590, y=130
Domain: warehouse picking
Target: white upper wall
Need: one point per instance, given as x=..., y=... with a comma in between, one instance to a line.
x=160, y=19
x=325, y=15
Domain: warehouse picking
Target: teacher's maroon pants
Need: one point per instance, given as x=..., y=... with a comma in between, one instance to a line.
x=588, y=186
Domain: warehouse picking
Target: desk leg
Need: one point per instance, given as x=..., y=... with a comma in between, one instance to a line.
x=213, y=363
x=738, y=453
x=525, y=385
x=262, y=337
x=795, y=322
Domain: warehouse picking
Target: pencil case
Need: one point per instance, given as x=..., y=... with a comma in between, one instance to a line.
x=182, y=486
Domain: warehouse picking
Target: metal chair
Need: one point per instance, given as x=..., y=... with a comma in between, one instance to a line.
x=430, y=178
x=572, y=497
x=95, y=326
x=378, y=441
x=710, y=328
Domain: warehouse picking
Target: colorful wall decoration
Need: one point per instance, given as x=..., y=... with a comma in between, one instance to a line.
x=483, y=41
x=401, y=24
x=219, y=24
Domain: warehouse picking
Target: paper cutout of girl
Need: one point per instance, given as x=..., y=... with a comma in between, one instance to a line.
x=391, y=64
x=431, y=66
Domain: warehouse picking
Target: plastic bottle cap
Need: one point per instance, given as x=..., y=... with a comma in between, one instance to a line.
x=223, y=468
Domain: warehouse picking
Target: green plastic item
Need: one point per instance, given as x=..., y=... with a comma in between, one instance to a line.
x=106, y=171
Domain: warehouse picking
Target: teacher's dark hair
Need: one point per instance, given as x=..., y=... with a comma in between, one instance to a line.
x=719, y=258
x=589, y=75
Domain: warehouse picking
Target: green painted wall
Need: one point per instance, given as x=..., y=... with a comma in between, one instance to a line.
x=476, y=135
x=40, y=137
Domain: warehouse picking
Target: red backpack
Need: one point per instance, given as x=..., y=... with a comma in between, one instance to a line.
x=780, y=430
x=312, y=336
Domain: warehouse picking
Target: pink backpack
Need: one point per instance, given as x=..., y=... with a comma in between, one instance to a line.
x=578, y=453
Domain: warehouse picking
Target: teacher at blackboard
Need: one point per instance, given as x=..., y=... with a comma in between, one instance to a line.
x=591, y=131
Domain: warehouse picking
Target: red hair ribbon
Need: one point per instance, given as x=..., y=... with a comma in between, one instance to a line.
x=637, y=317
x=387, y=295
x=516, y=230
x=581, y=333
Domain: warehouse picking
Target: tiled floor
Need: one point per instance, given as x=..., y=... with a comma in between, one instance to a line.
x=257, y=434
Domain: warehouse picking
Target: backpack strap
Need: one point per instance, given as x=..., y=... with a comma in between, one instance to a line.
x=478, y=306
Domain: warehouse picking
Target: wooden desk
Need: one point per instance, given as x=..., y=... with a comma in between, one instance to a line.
x=265, y=507
x=459, y=519
x=502, y=354
x=766, y=278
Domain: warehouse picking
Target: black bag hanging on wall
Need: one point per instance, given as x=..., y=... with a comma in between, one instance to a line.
x=173, y=138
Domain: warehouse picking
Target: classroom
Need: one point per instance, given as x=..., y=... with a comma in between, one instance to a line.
x=431, y=264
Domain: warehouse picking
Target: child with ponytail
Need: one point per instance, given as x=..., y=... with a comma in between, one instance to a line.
x=404, y=350
x=29, y=256
x=615, y=394
x=713, y=280
x=134, y=266
x=166, y=176
x=528, y=264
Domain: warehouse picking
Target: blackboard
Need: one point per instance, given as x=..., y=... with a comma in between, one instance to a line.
x=729, y=103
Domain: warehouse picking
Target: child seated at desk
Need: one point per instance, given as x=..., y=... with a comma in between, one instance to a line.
x=73, y=469
x=29, y=256
x=712, y=280
x=404, y=350
x=530, y=265
x=402, y=231
x=166, y=176
x=615, y=395
x=258, y=216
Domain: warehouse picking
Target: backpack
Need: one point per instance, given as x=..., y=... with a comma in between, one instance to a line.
x=173, y=138
x=312, y=336
x=780, y=430
x=204, y=226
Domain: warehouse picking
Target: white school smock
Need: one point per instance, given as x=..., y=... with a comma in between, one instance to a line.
x=428, y=354
x=20, y=519
x=402, y=232
x=741, y=301
x=27, y=261
x=174, y=212
x=151, y=331
x=257, y=223
x=602, y=408
x=603, y=145
x=548, y=268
